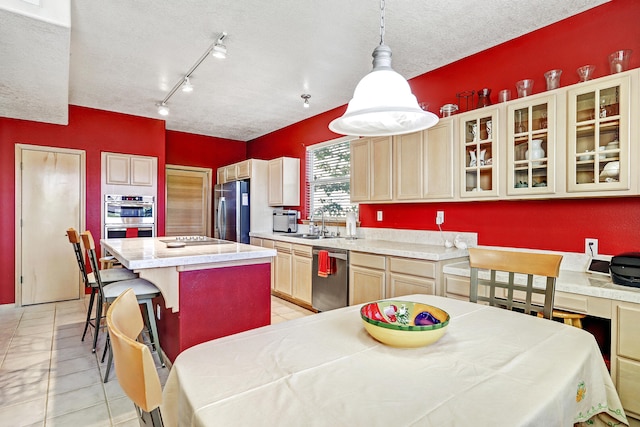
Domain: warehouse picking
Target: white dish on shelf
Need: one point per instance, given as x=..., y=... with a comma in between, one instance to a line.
x=587, y=156
x=611, y=170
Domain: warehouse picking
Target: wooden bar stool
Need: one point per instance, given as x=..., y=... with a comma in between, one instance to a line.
x=569, y=318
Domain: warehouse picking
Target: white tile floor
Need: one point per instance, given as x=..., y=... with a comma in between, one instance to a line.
x=48, y=377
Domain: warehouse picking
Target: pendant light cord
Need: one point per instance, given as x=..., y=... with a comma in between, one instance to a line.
x=381, y=22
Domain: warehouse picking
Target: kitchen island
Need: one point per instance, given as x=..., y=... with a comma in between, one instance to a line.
x=210, y=288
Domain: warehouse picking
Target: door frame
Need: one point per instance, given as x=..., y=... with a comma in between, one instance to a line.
x=209, y=174
x=19, y=147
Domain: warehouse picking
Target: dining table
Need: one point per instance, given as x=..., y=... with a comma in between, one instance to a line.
x=491, y=367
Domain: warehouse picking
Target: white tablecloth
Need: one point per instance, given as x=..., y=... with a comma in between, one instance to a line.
x=492, y=367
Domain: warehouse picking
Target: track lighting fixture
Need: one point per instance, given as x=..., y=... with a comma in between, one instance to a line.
x=187, y=86
x=306, y=100
x=217, y=49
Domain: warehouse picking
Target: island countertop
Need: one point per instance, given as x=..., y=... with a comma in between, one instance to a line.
x=152, y=252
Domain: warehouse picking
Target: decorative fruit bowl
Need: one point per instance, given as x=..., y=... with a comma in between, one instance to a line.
x=404, y=323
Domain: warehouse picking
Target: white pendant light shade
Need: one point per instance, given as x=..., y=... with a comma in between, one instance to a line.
x=383, y=104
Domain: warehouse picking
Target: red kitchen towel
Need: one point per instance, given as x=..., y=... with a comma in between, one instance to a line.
x=324, y=264
x=131, y=232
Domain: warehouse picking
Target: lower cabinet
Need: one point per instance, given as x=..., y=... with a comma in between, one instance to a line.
x=302, y=271
x=625, y=355
x=283, y=271
x=373, y=277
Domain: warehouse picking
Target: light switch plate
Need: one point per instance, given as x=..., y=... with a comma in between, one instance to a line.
x=379, y=215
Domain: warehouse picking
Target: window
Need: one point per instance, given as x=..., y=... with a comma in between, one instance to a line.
x=328, y=172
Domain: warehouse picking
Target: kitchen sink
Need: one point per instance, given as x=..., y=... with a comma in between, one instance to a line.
x=308, y=236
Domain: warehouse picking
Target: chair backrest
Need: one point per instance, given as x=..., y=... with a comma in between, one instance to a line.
x=134, y=364
x=74, y=239
x=507, y=293
x=90, y=247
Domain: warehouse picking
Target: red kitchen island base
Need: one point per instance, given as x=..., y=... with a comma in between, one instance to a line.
x=214, y=303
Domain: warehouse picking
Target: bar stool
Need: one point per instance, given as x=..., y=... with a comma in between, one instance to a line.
x=569, y=318
x=89, y=280
x=144, y=290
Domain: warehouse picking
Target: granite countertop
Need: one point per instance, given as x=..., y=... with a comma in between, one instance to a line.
x=427, y=251
x=574, y=282
x=152, y=252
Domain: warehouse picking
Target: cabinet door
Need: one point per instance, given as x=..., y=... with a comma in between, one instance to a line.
x=402, y=284
x=382, y=168
x=275, y=182
x=479, y=160
x=360, y=167
x=221, y=176
x=531, y=146
x=270, y=244
x=302, y=270
x=231, y=172
x=438, y=161
x=283, y=274
x=365, y=285
x=408, y=158
x=244, y=170
x=628, y=385
x=118, y=169
x=599, y=136
x=142, y=172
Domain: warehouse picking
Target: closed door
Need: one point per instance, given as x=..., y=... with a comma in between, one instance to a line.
x=50, y=194
x=188, y=202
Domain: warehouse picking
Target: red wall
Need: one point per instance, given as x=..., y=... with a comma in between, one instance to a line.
x=552, y=224
x=187, y=149
x=91, y=130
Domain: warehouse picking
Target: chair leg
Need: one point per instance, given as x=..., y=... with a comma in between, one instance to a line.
x=107, y=347
x=98, y=321
x=89, y=310
x=153, y=329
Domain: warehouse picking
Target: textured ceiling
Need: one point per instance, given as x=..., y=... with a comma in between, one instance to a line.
x=125, y=56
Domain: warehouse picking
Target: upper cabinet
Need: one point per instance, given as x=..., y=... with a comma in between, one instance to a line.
x=123, y=169
x=284, y=182
x=479, y=137
x=371, y=169
x=598, y=130
x=531, y=146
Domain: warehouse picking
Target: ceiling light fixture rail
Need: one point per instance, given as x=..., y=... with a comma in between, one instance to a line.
x=217, y=49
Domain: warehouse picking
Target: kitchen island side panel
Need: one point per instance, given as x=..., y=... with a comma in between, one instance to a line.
x=215, y=303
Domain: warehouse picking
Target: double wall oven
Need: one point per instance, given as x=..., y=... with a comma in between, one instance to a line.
x=129, y=216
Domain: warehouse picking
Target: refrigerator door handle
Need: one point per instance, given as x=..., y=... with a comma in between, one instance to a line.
x=222, y=219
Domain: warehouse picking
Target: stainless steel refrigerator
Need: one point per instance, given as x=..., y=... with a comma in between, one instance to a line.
x=231, y=201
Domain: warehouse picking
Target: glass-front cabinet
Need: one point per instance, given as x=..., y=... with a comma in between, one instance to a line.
x=479, y=138
x=531, y=142
x=598, y=136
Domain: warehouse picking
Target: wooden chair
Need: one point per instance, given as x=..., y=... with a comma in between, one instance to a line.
x=508, y=294
x=144, y=291
x=89, y=280
x=135, y=369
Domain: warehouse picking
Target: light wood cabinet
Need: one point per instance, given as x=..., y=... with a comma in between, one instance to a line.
x=284, y=182
x=625, y=355
x=410, y=276
x=409, y=166
x=302, y=271
x=531, y=146
x=123, y=169
x=236, y=171
x=371, y=169
x=221, y=176
x=438, y=151
x=283, y=268
x=479, y=136
x=367, y=277
x=231, y=173
x=599, y=142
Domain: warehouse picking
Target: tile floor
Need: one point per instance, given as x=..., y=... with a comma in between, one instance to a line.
x=48, y=377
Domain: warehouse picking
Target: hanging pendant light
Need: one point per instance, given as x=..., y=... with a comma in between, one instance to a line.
x=382, y=102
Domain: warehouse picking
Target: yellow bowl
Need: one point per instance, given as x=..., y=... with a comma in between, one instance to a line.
x=404, y=323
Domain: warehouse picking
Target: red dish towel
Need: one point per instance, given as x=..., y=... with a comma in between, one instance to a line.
x=324, y=264
x=131, y=232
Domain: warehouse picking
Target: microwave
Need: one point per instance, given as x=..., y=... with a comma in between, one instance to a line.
x=285, y=221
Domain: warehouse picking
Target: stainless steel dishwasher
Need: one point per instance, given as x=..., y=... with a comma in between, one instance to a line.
x=328, y=293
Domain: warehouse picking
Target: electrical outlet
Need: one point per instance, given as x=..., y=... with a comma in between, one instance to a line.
x=379, y=215
x=439, y=217
x=591, y=247
x=158, y=311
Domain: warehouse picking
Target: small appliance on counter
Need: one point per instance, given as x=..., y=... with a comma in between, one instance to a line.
x=625, y=269
x=285, y=221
